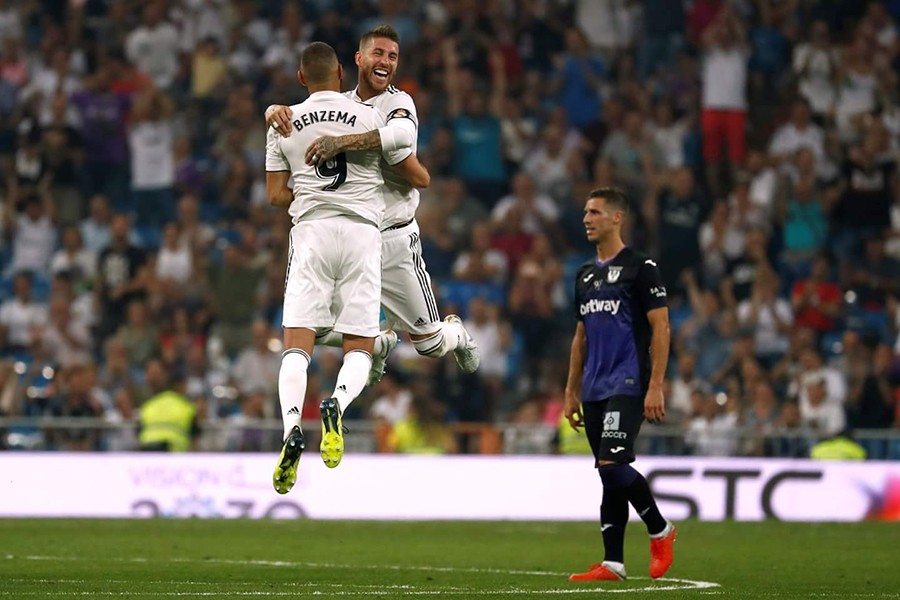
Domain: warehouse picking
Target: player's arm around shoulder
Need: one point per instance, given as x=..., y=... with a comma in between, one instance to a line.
x=278, y=172
x=413, y=171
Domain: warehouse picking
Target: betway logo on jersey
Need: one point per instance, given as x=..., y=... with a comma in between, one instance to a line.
x=595, y=306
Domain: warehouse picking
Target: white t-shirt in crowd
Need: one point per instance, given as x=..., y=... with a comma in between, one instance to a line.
x=152, y=155
x=725, y=79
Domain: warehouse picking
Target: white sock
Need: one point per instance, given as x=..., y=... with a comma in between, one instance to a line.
x=336, y=340
x=292, y=387
x=448, y=338
x=666, y=531
x=352, y=377
x=614, y=566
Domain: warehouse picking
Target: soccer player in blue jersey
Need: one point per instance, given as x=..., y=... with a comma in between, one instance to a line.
x=616, y=371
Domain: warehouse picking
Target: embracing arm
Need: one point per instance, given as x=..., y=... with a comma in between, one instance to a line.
x=413, y=171
x=397, y=135
x=277, y=190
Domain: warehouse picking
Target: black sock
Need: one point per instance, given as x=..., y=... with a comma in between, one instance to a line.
x=638, y=492
x=613, y=519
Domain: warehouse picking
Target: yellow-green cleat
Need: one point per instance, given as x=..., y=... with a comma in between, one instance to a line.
x=332, y=447
x=285, y=475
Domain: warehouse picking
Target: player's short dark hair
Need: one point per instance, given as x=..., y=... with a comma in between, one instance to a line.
x=382, y=31
x=613, y=196
x=318, y=62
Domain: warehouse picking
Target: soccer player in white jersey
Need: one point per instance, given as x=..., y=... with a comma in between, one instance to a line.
x=406, y=293
x=333, y=276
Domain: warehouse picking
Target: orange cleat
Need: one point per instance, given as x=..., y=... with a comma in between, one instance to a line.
x=662, y=554
x=598, y=572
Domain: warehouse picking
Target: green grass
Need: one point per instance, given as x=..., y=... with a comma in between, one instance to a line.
x=337, y=559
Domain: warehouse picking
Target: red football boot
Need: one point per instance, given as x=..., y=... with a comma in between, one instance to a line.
x=661, y=554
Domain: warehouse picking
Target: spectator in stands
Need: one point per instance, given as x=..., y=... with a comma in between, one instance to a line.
x=770, y=316
x=476, y=127
x=459, y=211
x=537, y=211
x=394, y=400
x=168, y=420
x=721, y=242
x=79, y=262
x=826, y=418
x=663, y=36
x=233, y=286
x=799, y=132
x=816, y=300
x=103, y=114
x=678, y=212
x=33, y=234
x=256, y=368
x=138, y=334
x=494, y=337
x=153, y=47
x=75, y=401
x=423, y=431
x=67, y=340
x=713, y=431
x=116, y=374
x=683, y=387
x=633, y=154
x=816, y=64
x=174, y=266
x=122, y=276
x=243, y=433
x=151, y=133
x=874, y=279
x=871, y=403
x=21, y=315
x=95, y=228
x=481, y=263
x=549, y=164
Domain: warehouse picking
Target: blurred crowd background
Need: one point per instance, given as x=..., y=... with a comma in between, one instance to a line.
x=757, y=139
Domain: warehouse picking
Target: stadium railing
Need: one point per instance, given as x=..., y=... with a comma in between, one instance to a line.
x=264, y=435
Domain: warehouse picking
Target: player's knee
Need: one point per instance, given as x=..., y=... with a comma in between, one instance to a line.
x=617, y=475
x=432, y=346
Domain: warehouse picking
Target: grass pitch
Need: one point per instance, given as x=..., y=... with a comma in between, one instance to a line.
x=192, y=559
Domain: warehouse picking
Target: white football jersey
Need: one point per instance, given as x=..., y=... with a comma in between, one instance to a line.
x=351, y=183
x=401, y=199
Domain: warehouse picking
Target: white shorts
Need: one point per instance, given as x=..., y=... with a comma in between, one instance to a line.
x=406, y=294
x=334, y=276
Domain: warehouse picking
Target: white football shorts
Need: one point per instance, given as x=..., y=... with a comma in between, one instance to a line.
x=334, y=276
x=406, y=294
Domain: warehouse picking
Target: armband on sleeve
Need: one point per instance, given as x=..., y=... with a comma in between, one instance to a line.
x=398, y=134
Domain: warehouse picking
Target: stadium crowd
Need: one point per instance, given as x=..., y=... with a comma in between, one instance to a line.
x=758, y=140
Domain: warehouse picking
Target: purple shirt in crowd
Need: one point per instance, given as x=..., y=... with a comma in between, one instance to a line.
x=103, y=119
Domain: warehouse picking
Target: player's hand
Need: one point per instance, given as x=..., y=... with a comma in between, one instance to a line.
x=655, y=404
x=572, y=411
x=278, y=116
x=321, y=150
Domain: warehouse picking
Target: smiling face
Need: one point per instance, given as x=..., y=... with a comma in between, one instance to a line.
x=377, y=60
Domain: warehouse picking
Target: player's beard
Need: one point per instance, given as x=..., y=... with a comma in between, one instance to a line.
x=374, y=82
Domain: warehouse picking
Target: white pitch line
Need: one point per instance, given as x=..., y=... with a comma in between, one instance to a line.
x=685, y=584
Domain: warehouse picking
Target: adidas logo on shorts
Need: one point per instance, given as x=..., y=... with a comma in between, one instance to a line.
x=420, y=322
